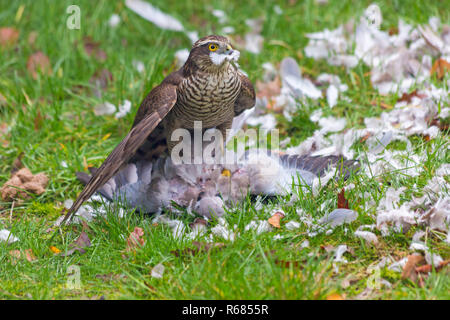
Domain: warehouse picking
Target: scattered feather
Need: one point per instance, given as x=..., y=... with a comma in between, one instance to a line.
x=7, y=236
x=124, y=109
x=114, y=20
x=158, y=271
x=370, y=237
x=338, y=217
x=154, y=15
x=105, y=108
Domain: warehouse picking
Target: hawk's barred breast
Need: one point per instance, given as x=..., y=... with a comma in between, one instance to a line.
x=207, y=97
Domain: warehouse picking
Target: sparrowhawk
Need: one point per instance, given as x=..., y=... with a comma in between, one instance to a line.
x=209, y=87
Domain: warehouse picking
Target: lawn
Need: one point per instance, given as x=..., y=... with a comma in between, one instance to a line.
x=48, y=121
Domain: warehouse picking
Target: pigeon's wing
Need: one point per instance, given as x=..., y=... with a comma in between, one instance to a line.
x=152, y=110
x=318, y=165
x=246, y=98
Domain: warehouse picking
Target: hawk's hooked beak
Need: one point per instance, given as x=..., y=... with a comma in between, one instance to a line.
x=231, y=54
x=229, y=50
x=224, y=54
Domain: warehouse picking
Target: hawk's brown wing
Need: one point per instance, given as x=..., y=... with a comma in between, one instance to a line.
x=246, y=98
x=152, y=110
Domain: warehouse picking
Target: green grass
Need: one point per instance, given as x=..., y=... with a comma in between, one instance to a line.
x=51, y=120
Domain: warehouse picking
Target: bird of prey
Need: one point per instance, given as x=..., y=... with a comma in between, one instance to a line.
x=209, y=87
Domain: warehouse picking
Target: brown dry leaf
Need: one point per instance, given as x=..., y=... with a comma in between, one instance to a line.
x=442, y=125
x=409, y=270
x=15, y=256
x=382, y=104
x=393, y=30
x=275, y=219
x=342, y=203
x=8, y=36
x=428, y=267
x=198, y=221
x=440, y=68
x=408, y=96
x=22, y=182
x=92, y=48
x=29, y=255
x=38, y=121
x=79, y=244
x=328, y=248
x=135, y=239
x=385, y=106
x=38, y=61
x=335, y=296
x=366, y=136
x=268, y=90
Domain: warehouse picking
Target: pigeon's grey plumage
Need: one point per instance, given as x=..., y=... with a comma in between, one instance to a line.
x=209, y=188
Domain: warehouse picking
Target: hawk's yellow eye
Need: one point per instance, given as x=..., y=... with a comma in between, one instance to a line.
x=213, y=47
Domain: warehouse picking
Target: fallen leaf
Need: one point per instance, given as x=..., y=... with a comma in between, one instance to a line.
x=29, y=255
x=441, y=124
x=38, y=121
x=328, y=248
x=382, y=104
x=409, y=270
x=275, y=219
x=408, y=96
x=55, y=249
x=393, y=30
x=335, y=296
x=365, y=137
x=428, y=267
x=92, y=49
x=79, y=244
x=135, y=239
x=15, y=256
x=268, y=90
x=342, y=203
x=8, y=36
x=385, y=106
x=38, y=61
x=440, y=67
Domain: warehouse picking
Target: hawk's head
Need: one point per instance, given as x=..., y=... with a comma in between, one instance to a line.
x=212, y=52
